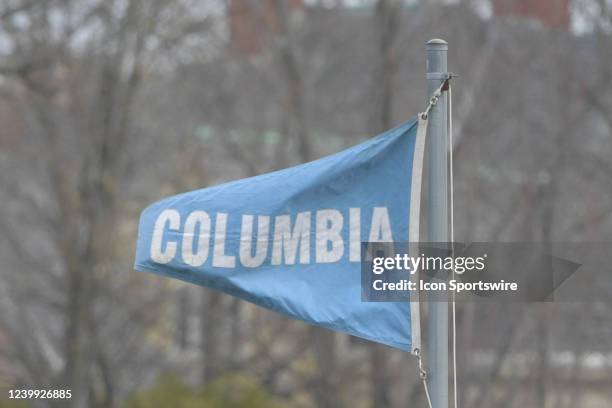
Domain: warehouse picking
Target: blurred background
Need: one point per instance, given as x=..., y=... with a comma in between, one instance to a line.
x=109, y=105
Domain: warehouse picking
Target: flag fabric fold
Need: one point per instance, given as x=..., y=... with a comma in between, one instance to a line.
x=290, y=240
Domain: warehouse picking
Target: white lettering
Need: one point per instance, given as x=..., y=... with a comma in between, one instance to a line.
x=287, y=242
x=220, y=259
x=355, y=234
x=381, y=226
x=173, y=218
x=261, y=247
x=198, y=257
x=329, y=227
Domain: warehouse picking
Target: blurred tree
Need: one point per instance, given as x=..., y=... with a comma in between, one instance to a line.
x=75, y=78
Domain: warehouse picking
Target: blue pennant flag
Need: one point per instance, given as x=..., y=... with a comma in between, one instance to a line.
x=290, y=240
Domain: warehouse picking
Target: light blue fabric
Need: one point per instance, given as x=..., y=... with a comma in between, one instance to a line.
x=376, y=173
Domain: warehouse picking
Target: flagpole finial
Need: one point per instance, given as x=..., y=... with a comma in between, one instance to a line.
x=436, y=42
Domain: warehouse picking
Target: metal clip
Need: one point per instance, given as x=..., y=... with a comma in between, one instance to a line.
x=422, y=372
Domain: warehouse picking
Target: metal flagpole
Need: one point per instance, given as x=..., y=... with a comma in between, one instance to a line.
x=437, y=139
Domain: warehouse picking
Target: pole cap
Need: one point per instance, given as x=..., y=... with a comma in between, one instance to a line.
x=437, y=43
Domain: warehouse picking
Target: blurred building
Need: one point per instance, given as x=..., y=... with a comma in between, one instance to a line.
x=550, y=13
x=253, y=23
